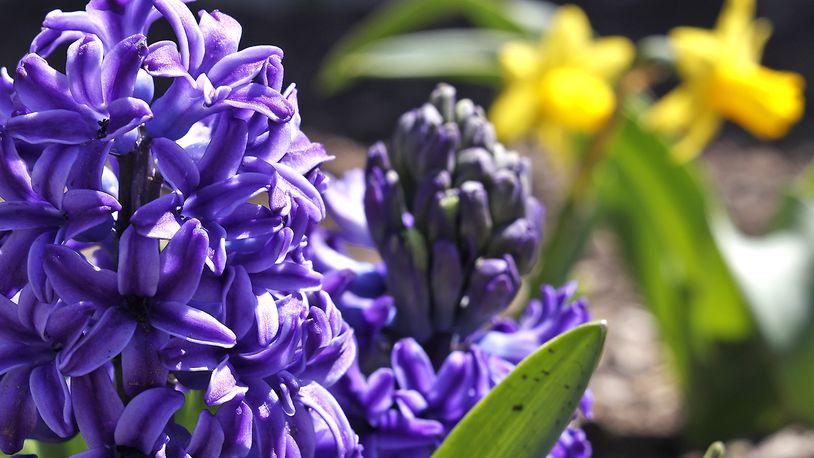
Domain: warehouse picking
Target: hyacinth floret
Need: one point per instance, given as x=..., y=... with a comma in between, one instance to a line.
x=153, y=246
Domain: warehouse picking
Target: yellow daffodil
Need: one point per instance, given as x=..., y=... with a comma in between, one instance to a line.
x=561, y=86
x=722, y=79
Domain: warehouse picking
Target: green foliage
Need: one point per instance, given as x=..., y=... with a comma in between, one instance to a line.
x=53, y=450
x=376, y=49
x=659, y=211
x=466, y=54
x=716, y=450
x=525, y=414
x=776, y=273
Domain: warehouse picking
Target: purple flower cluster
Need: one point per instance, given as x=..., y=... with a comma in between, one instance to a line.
x=450, y=212
x=153, y=245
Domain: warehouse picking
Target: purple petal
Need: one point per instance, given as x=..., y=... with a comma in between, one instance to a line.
x=18, y=413
x=13, y=254
x=50, y=394
x=86, y=209
x=186, y=29
x=216, y=253
x=182, y=355
x=41, y=88
x=250, y=221
x=241, y=67
x=157, y=218
x=223, y=197
x=224, y=385
x=182, y=262
x=89, y=166
x=35, y=270
x=138, y=264
x=225, y=152
x=126, y=114
x=120, y=67
x=108, y=337
x=97, y=406
x=323, y=404
x=75, y=280
x=83, y=69
x=50, y=173
x=15, y=182
x=412, y=366
x=287, y=276
x=28, y=215
x=164, y=60
x=221, y=36
x=306, y=159
x=269, y=423
x=141, y=363
x=262, y=99
x=31, y=312
x=239, y=302
x=267, y=319
x=296, y=185
x=207, y=439
x=52, y=126
x=381, y=386
x=175, y=165
x=66, y=323
x=236, y=418
x=145, y=417
x=190, y=323
x=14, y=355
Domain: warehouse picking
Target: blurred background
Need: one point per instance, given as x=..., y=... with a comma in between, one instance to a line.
x=641, y=403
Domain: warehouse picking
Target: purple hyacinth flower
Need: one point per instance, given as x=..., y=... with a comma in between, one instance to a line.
x=139, y=306
x=33, y=337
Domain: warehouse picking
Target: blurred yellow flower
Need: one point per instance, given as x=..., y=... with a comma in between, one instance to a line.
x=561, y=86
x=723, y=79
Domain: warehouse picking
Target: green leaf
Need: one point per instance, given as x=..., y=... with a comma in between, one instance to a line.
x=716, y=450
x=402, y=16
x=776, y=272
x=658, y=209
x=525, y=414
x=53, y=449
x=457, y=54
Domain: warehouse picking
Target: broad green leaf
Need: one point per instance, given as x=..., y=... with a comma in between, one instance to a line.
x=402, y=16
x=468, y=54
x=525, y=414
x=658, y=209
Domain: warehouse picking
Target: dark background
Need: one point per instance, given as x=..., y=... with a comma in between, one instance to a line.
x=307, y=29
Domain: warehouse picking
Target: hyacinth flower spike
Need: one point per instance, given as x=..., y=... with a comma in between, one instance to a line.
x=450, y=212
x=138, y=262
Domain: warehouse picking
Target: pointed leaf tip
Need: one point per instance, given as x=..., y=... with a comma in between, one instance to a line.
x=526, y=413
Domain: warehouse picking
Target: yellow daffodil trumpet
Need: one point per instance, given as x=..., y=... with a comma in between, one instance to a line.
x=722, y=79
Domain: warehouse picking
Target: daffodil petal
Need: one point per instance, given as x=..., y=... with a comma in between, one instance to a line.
x=518, y=60
x=610, y=56
x=569, y=36
x=514, y=112
x=674, y=112
x=701, y=131
x=696, y=50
